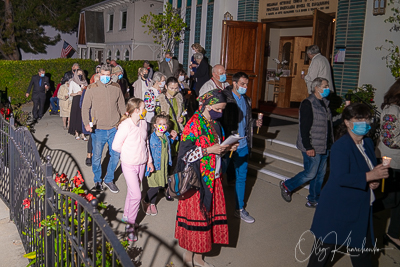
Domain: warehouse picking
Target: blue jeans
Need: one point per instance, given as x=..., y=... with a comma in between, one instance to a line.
x=99, y=139
x=53, y=102
x=314, y=171
x=239, y=160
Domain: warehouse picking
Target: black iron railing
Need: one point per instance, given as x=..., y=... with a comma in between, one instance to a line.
x=71, y=231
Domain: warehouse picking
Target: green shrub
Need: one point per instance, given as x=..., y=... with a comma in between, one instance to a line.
x=16, y=75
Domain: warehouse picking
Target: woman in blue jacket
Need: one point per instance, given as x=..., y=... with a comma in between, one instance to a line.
x=343, y=218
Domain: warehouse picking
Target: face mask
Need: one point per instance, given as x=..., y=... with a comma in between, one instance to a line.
x=162, y=84
x=193, y=51
x=145, y=76
x=181, y=78
x=215, y=115
x=114, y=79
x=242, y=90
x=105, y=79
x=167, y=59
x=161, y=128
x=172, y=92
x=361, y=128
x=73, y=71
x=80, y=77
x=325, y=93
x=143, y=115
x=120, y=76
x=42, y=75
x=222, y=78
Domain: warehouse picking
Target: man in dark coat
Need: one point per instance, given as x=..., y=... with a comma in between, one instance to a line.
x=169, y=65
x=40, y=84
x=202, y=74
x=69, y=74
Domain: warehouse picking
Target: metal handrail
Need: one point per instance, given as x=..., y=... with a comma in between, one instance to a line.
x=23, y=172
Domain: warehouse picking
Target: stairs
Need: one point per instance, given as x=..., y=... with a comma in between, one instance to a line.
x=273, y=160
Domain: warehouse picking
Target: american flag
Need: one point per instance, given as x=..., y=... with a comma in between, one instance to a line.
x=66, y=50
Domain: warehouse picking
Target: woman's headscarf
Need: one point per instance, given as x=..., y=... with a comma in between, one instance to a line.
x=77, y=80
x=210, y=98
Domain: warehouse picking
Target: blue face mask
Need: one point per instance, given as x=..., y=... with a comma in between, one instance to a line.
x=222, y=78
x=361, y=128
x=42, y=75
x=325, y=93
x=120, y=76
x=242, y=90
x=167, y=59
x=105, y=79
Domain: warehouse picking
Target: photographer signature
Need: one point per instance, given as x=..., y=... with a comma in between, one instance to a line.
x=322, y=252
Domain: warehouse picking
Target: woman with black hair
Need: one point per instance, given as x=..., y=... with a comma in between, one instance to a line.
x=343, y=217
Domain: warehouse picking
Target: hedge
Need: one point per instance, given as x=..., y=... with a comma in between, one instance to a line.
x=16, y=75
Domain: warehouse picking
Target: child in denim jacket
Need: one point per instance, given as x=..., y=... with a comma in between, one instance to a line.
x=160, y=151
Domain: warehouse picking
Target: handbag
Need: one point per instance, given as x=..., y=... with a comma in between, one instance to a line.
x=184, y=184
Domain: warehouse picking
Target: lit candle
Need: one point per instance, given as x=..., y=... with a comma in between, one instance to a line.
x=260, y=116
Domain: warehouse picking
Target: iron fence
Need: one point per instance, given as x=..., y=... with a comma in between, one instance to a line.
x=58, y=228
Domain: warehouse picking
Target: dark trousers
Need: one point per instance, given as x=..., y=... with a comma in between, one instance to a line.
x=38, y=105
x=151, y=196
x=90, y=145
x=358, y=259
x=391, y=201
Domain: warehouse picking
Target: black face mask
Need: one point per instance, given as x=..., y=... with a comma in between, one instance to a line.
x=73, y=71
x=145, y=76
x=80, y=77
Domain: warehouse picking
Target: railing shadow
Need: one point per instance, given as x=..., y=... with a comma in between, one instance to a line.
x=62, y=161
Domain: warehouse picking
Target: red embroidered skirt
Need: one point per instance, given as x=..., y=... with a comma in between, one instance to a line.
x=197, y=233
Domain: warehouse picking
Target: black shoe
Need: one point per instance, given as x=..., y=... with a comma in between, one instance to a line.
x=168, y=197
x=98, y=187
x=88, y=162
x=311, y=204
x=112, y=187
x=285, y=193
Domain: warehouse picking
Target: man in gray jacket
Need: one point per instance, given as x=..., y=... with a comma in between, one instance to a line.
x=319, y=67
x=102, y=108
x=314, y=141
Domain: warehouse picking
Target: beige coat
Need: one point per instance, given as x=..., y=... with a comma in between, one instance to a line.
x=65, y=104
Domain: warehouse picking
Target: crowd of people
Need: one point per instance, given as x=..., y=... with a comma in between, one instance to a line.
x=172, y=120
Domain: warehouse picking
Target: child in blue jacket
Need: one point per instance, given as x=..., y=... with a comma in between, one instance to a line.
x=160, y=151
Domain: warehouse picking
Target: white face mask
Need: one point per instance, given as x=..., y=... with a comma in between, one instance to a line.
x=181, y=78
x=193, y=51
x=162, y=84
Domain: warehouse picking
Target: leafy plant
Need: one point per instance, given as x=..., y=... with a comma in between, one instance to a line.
x=393, y=56
x=366, y=92
x=167, y=28
x=16, y=75
x=52, y=224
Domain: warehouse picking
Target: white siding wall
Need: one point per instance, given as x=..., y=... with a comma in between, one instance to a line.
x=373, y=69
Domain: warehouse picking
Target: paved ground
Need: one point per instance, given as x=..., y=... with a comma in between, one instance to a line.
x=271, y=241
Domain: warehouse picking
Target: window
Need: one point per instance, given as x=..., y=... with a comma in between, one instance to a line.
x=179, y=5
x=126, y=55
x=111, y=22
x=124, y=17
x=109, y=54
x=189, y=3
x=117, y=55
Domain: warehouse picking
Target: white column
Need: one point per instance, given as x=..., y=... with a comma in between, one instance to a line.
x=203, y=23
x=192, y=30
x=182, y=44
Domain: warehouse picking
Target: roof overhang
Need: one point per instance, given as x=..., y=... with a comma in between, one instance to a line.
x=111, y=4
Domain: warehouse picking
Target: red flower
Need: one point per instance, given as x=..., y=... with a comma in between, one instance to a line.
x=61, y=179
x=90, y=197
x=57, y=179
x=78, y=180
x=26, y=203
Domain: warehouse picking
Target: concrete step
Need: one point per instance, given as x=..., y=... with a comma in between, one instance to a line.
x=272, y=175
x=269, y=145
x=272, y=158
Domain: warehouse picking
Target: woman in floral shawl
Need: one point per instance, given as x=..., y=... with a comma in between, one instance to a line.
x=201, y=219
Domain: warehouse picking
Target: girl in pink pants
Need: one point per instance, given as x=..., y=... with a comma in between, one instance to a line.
x=132, y=142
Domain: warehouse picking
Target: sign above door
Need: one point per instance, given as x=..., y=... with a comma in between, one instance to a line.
x=289, y=8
